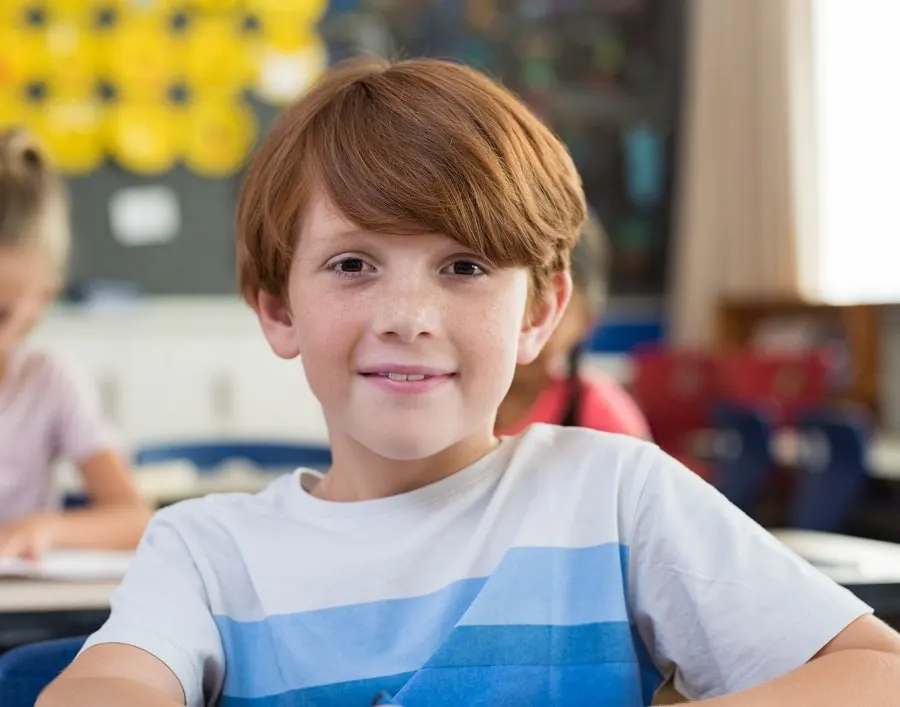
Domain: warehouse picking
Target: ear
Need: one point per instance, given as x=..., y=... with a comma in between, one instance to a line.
x=542, y=318
x=277, y=322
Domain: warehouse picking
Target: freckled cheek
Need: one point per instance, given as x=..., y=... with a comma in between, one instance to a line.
x=329, y=335
x=490, y=343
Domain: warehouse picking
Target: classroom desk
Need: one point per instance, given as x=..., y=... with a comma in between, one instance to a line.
x=33, y=595
x=868, y=568
x=165, y=484
x=164, y=488
x=37, y=610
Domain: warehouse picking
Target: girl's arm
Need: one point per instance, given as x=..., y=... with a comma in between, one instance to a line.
x=115, y=519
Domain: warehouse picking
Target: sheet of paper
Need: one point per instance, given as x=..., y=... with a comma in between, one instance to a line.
x=141, y=216
x=85, y=565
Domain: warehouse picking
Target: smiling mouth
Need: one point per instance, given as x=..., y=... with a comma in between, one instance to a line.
x=407, y=377
x=404, y=377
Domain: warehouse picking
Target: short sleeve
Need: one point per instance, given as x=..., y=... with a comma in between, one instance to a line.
x=716, y=598
x=80, y=428
x=162, y=608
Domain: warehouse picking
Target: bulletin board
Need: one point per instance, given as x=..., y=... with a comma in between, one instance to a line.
x=150, y=109
x=200, y=260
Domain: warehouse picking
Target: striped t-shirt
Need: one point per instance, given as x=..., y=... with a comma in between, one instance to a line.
x=569, y=567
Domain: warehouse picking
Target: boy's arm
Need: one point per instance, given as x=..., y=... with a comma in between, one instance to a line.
x=726, y=609
x=161, y=645
x=860, y=666
x=112, y=675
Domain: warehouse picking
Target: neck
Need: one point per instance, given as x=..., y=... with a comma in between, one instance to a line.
x=358, y=474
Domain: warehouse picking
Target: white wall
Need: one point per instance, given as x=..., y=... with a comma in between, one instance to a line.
x=173, y=369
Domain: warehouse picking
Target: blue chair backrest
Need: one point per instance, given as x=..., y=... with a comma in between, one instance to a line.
x=832, y=467
x=206, y=456
x=26, y=670
x=743, y=456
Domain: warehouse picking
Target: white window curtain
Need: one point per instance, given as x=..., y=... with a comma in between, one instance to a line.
x=746, y=183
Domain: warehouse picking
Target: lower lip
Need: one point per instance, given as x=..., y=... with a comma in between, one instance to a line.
x=426, y=385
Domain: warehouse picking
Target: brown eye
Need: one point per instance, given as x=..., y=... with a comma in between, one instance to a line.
x=466, y=268
x=350, y=265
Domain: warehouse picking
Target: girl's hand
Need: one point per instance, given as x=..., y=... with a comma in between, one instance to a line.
x=30, y=537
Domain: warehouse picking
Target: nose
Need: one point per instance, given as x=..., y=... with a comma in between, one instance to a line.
x=407, y=309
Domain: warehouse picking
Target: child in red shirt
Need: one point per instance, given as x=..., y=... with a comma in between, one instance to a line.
x=553, y=389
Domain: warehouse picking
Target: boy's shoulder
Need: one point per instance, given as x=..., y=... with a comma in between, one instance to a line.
x=583, y=447
x=588, y=465
x=613, y=475
x=233, y=510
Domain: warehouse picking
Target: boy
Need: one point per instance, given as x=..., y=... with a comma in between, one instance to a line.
x=405, y=229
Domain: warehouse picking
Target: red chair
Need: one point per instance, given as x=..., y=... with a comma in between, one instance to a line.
x=787, y=384
x=676, y=391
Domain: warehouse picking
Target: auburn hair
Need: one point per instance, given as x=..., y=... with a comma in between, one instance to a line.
x=417, y=146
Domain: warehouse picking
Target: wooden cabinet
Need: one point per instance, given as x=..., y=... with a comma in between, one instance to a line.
x=746, y=324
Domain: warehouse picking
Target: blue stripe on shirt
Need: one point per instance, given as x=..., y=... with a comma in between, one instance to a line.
x=541, y=588
x=494, y=665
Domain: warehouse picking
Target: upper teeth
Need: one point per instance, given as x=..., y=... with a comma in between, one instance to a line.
x=406, y=376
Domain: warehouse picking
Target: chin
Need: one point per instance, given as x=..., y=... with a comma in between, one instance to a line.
x=407, y=444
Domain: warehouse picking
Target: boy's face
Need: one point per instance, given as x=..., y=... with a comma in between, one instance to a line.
x=409, y=342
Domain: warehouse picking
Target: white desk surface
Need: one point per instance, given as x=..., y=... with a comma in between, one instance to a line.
x=26, y=595
x=884, y=457
x=161, y=487
x=168, y=483
x=847, y=560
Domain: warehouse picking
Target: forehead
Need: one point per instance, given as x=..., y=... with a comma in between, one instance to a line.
x=323, y=221
x=325, y=226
